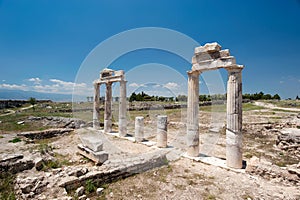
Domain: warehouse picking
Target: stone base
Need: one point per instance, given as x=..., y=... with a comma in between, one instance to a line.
x=98, y=157
x=214, y=161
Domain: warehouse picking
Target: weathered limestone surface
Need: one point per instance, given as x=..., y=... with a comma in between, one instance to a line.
x=211, y=57
x=162, y=130
x=96, y=108
x=139, y=129
x=107, y=112
x=92, y=143
x=122, y=110
x=234, y=119
x=192, y=114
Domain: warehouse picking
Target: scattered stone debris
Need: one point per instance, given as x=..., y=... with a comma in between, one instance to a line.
x=288, y=176
x=289, y=140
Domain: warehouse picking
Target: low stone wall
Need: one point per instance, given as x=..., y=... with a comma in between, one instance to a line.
x=15, y=163
x=116, y=169
x=45, y=133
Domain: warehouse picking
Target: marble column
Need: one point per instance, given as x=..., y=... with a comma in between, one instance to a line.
x=234, y=118
x=192, y=114
x=108, y=109
x=162, y=130
x=122, y=110
x=96, y=107
x=139, y=129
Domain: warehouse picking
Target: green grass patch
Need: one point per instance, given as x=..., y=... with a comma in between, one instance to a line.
x=15, y=140
x=90, y=187
x=7, y=186
x=251, y=106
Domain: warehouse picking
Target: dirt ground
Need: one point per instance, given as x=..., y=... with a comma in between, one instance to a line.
x=183, y=178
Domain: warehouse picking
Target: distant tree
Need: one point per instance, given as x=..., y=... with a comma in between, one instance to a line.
x=132, y=97
x=297, y=98
x=182, y=98
x=32, y=101
x=266, y=97
x=276, y=96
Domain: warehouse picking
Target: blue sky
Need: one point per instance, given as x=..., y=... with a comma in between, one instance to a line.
x=44, y=43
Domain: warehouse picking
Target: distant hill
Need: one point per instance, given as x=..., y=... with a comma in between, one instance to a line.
x=25, y=95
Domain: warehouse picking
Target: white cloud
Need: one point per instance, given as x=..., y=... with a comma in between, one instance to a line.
x=136, y=85
x=55, y=86
x=133, y=85
x=35, y=80
x=281, y=82
x=171, y=85
x=14, y=86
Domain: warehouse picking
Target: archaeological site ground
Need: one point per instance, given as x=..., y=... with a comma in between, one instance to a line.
x=234, y=148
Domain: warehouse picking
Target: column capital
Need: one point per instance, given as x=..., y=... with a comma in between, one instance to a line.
x=195, y=73
x=234, y=68
x=96, y=83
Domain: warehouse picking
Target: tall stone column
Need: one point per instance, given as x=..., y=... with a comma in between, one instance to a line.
x=96, y=108
x=234, y=118
x=192, y=114
x=122, y=110
x=108, y=110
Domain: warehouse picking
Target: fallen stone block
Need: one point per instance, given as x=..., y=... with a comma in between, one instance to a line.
x=92, y=143
x=98, y=157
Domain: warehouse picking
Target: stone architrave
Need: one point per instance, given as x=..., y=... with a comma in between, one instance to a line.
x=192, y=114
x=162, y=130
x=108, y=110
x=139, y=129
x=234, y=118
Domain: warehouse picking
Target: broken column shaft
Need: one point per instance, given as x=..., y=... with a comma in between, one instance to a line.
x=162, y=130
x=139, y=129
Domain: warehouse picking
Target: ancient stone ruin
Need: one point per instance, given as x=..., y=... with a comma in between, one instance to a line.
x=211, y=57
x=108, y=77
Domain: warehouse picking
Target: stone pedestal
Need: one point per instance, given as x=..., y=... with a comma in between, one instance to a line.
x=122, y=110
x=234, y=119
x=162, y=130
x=96, y=108
x=108, y=110
x=139, y=129
x=192, y=114
x=92, y=148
